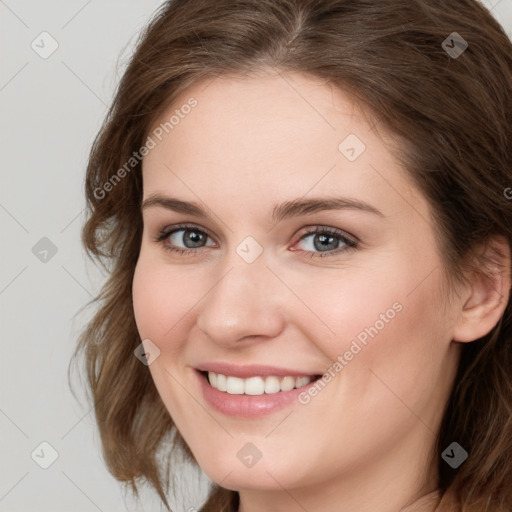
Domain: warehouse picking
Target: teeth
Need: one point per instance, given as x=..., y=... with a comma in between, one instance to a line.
x=287, y=383
x=235, y=386
x=302, y=381
x=222, y=382
x=256, y=385
x=272, y=385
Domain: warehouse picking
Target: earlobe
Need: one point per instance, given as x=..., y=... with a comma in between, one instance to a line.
x=487, y=294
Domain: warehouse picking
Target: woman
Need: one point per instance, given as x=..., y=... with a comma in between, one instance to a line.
x=304, y=210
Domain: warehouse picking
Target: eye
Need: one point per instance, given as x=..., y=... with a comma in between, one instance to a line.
x=189, y=235
x=324, y=241
x=327, y=242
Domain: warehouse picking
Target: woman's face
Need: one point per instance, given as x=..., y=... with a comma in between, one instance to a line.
x=258, y=293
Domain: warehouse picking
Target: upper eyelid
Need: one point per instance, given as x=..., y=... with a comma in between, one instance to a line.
x=179, y=227
x=320, y=228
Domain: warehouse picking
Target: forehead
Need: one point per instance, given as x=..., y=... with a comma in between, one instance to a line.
x=273, y=112
x=276, y=134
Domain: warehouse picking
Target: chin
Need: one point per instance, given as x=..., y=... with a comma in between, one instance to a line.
x=264, y=475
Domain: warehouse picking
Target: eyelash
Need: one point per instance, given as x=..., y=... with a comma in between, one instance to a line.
x=351, y=243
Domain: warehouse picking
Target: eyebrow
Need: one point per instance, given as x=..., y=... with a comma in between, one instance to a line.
x=288, y=209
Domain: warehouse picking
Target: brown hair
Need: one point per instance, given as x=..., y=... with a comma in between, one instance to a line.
x=453, y=116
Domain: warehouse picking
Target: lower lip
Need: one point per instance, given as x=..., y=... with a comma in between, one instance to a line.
x=247, y=406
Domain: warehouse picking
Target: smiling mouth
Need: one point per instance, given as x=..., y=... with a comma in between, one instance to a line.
x=256, y=385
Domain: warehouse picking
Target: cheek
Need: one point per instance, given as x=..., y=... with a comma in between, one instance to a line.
x=401, y=360
x=382, y=322
x=161, y=300
x=346, y=307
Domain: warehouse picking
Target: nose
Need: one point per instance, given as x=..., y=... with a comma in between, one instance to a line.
x=246, y=303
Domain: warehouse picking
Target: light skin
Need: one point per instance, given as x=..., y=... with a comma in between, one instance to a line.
x=363, y=443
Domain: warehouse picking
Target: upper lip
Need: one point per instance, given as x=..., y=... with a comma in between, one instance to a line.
x=251, y=370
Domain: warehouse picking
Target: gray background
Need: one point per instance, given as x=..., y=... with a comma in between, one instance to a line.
x=51, y=109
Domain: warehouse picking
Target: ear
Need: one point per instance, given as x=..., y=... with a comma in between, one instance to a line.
x=485, y=298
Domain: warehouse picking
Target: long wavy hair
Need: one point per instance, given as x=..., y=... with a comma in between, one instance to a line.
x=453, y=115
